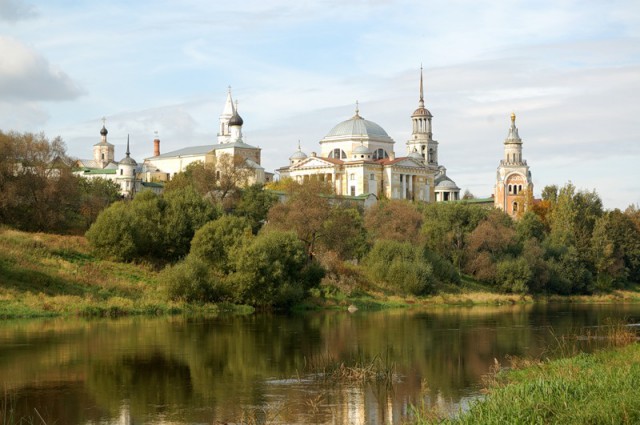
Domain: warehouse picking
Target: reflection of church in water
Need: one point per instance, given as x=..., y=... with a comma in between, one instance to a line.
x=357, y=157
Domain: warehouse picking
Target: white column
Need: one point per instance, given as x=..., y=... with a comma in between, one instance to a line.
x=404, y=186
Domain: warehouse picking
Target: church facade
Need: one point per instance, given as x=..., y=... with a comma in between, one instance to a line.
x=357, y=157
x=125, y=173
x=230, y=145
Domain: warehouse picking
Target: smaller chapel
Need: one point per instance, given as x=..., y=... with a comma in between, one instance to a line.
x=125, y=173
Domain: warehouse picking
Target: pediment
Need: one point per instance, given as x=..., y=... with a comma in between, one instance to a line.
x=314, y=162
x=408, y=162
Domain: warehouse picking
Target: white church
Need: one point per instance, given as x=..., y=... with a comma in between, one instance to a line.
x=357, y=157
x=161, y=167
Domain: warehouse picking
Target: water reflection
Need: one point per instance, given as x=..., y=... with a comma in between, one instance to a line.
x=255, y=368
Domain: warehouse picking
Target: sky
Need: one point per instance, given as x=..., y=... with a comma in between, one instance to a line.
x=569, y=69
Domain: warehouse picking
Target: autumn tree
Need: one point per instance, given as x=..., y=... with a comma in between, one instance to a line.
x=38, y=191
x=305, y=212
x=490, y=242
x=394, y=220
x=232, y=173
x=446, y=228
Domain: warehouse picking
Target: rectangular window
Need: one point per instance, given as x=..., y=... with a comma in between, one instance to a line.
x=372, y=177
x=352, y=176
x=353, y=191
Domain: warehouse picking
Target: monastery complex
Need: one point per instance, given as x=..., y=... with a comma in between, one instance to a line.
x=357, y=158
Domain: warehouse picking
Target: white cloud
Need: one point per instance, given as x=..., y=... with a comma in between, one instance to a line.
x=27, y=75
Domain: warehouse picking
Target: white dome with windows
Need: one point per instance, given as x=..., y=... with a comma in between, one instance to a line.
x=358, y=127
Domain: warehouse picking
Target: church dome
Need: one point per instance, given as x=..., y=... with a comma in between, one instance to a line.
x=421, y=112
x=357, y=126
x=236, y=119
x=298, y=155
x=127, y=160
x=416, y=155
x=446, y=183
x=103, y=131
x=361, y=150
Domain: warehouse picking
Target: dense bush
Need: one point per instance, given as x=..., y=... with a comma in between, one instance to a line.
x=400, y=267
x=193, y=280
x=150, y=227
x=215, y=241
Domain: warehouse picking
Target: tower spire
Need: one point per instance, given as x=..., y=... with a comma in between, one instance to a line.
x=421, y=103
x=128, y=153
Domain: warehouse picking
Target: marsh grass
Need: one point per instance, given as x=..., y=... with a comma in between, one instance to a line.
x=377, y=369
x=578, y=388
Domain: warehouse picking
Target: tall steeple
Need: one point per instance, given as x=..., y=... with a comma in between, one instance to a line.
x=421, y=102
x=227, y=113
x=421, y=136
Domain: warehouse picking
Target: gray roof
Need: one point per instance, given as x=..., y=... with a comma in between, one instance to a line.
x=358, y=126
x=201, y=150
x=444, y=182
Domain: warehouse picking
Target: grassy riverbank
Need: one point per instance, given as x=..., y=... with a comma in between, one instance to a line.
x=598, y=388
x=50, y=275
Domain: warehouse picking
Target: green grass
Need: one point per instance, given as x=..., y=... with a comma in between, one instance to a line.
x=45, y=275
x=600, y=388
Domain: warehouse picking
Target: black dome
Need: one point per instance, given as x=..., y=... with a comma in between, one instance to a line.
x=235, y=120
x=103, y=131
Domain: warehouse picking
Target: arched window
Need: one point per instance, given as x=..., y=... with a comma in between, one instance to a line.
x=338, y=153
x=520, y=188
x=515, y=207
x=380, y=154
x=431, y=155
x=510, y=189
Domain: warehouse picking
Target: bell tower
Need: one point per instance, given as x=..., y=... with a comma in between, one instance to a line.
x=514, y=185
x=103, y=151
x=421, y=136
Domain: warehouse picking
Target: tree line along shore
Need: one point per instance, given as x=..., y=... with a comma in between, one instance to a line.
x=289, y=245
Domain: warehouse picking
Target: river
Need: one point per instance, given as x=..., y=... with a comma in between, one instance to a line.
x=265, y=369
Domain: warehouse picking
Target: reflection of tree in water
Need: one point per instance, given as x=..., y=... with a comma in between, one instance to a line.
x=207, y=370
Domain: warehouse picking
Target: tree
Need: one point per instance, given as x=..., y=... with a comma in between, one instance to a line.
x=468, y=195
x=492, y=240
x=304, y=212
x=394, y=220
x=344, y=233
x=255, y=204
x=400, y=267
x=216, y=242
x=616, y=250
x=200, y=176
x=185, y=212
x=232, y=173
x=96, y=195
x=270, y=270
x=446, y=227
x=37, y=189
x=152, y=227
x=530, y=226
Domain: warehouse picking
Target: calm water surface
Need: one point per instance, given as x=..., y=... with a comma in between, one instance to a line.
x=176, y=370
